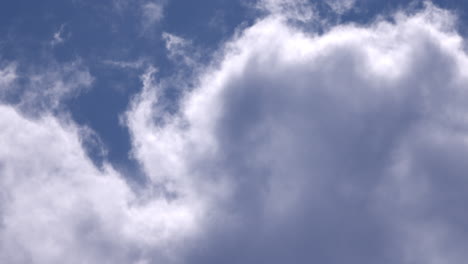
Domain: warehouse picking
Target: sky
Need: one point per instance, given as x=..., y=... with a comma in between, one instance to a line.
x=233, y=131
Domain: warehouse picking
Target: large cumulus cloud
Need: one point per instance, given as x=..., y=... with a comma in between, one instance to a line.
x=344, y=147
x=56, y=206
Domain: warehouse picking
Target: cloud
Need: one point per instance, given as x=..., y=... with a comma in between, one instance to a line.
x=59, y=37
x=132, y=65
x=174, y=43
x=180, y=50
x=341, y=6
x=57, y=207
x=300, y=10
x=152, y=13
x=34, y=89
x=334, y=148
x=344, y=147
x=7, y=75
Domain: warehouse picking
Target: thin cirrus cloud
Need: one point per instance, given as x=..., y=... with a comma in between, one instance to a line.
x=59, y=36
x=341, y=6
x=7, y=75
x=35, y=89
x=300, y=10
x=152, y=13
x=342, y=147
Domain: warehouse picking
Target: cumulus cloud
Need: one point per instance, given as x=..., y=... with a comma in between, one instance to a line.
x=333, y=148
x=344, y=147
x=57, y=207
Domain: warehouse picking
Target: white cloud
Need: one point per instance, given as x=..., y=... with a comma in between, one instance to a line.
x=56, y=206
x=321, y=140
x=301, y=10
x=59, y=37
x=180, y=50
x=340, y=6
x=346, y=147
x=152, y=13
x=173, y=42
x=7, y=76
x=137, y=64
x=44, y=88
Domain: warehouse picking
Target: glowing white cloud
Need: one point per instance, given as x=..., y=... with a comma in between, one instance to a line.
x=57, y=206
x=293, y=125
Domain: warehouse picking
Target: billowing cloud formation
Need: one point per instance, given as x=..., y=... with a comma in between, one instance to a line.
x=337, y=148
x=56, y=206
x=346, y=147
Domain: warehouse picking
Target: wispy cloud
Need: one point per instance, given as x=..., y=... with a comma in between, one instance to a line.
x=7, y=75
x=341, y=6
x=300, y=10
x=179, y=49
x=60, y=36
x=137, y=64
x=43, y=88
x=152, y=12
x=342, y=147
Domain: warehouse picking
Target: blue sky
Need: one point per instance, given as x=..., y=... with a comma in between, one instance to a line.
x=249, y=131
